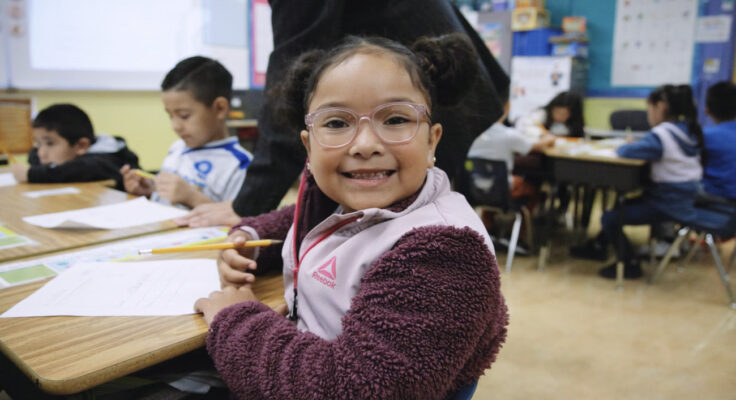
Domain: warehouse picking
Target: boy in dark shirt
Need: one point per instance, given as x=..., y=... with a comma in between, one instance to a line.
x=67, y=150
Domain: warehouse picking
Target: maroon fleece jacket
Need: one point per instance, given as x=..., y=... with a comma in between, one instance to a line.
x=429, y=318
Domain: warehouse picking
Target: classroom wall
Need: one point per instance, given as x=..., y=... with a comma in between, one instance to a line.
x=139, y=117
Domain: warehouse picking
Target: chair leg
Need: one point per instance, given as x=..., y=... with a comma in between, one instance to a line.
x=652, y=251
x=513, y=241
x=681, y=234
x=722, y=272
x=693, y=249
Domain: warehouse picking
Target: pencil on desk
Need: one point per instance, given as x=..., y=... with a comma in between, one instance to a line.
x=143, y=174
x=216, y=246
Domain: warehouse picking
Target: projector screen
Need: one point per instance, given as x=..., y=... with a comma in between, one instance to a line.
x=121, y=45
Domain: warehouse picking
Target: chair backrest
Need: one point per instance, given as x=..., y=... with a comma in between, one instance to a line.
x=636, y=120
x=488, y=183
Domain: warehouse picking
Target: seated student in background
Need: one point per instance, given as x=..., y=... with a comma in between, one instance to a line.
x=674, y=148
x=66, y=149
x=398, y=293
x=719, y=177
x=500, y=142
x=562, y=116
x=205, y=165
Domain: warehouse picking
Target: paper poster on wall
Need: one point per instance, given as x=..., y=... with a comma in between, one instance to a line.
x=261, y=41
x=535, y=81
x=653, y=42
x=713, y=29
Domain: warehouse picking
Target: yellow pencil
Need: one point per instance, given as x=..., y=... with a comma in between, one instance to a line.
x=215, y=246
x=7, y=153
x=143, y=174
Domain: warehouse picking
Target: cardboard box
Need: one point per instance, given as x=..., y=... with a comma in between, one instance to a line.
x=573, y=25
x=530, y=4
x=524, y=19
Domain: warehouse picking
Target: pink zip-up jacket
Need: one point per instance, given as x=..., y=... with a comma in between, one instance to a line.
x=398, y=303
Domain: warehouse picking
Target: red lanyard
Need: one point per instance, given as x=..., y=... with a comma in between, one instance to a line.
x=297, y=260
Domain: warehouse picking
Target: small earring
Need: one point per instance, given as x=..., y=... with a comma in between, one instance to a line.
x=434, y=159
x=309, y=167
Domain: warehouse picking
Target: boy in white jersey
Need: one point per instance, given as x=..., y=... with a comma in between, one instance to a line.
x=205, y=165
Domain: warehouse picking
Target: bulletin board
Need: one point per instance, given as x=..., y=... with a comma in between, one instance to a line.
x=601, y=23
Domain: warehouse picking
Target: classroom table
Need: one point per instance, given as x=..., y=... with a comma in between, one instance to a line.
x=619, y=174
x=16, y=206
x=66, y=355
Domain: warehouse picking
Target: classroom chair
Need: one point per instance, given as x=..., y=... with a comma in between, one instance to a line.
x=465, y=392
x=636, y=120
x=715, y=217
x=488, y=188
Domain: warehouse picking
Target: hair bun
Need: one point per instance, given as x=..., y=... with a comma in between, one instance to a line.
x=288, y=94
x=451, y=63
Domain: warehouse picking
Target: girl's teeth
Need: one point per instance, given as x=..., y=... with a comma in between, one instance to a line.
x=372, y=175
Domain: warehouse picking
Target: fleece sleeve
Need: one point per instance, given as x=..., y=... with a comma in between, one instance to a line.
x=272, y=225
x=428, y=317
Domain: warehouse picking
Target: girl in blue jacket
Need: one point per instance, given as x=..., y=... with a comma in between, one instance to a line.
x=674, y=148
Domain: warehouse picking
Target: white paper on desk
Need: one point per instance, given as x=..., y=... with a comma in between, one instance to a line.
x=7, y=179
x=610, y=153
x=51, y=192
x=113, y=216
x=168, y=287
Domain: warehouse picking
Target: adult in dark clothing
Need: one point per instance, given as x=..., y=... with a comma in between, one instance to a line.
x=304, y=25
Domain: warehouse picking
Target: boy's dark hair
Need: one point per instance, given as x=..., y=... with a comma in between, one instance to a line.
x=681, y=108
x=443, y=68
x=574, y=103
x=68, y=120
x=204, y=77
x=720, y=100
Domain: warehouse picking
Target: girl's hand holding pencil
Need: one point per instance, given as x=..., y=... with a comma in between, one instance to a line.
x=234, y=265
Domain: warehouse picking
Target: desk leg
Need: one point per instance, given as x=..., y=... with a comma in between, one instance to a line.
x=620, y=241
x=546, y=235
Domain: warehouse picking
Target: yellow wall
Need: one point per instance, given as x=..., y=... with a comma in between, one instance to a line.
x=139, y=117
x=597, y=110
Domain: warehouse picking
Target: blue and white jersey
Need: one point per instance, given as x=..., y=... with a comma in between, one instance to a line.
x=217, y=168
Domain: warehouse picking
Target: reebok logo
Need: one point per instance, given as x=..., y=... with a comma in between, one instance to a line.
x=327, y=273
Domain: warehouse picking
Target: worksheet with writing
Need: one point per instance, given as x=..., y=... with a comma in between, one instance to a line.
x=147, y=288
x=125, y=214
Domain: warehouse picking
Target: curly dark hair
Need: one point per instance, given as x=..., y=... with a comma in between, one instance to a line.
x=443, y=68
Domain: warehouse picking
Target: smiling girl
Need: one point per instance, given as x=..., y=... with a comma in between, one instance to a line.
x=392, y=285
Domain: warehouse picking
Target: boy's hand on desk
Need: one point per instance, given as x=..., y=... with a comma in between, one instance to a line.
x=233, y=264
x=135, y=184
x=20, y=171
x=173, y=188
x=210, y=214
x=219, y=300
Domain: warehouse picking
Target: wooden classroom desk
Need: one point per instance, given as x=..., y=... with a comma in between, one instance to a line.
x=15, y=206
x=619, y=174
x=66, y=355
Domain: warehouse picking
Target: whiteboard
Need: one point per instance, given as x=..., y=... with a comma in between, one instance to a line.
x=4, y=57
x=123, y=45
x=536, y=80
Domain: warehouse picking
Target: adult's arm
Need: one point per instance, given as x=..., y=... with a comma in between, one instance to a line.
x=425, y=311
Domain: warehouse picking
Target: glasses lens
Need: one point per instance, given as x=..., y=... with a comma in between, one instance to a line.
x=334, y=127
x=396, y=122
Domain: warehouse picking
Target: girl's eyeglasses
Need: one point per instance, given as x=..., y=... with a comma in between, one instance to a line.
x=393, y=122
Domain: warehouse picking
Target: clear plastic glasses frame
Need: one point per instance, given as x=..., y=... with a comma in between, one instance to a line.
x=394, y=123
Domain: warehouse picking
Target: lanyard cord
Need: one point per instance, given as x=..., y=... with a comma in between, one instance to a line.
x=297, y=260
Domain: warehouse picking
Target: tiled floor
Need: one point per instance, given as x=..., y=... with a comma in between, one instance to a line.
x=574, y=336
